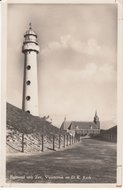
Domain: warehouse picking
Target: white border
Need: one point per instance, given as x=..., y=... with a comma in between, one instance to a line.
x=3, y=89
x=119, y=93
x=119, y=89
x=64, y=1
x=0, y=91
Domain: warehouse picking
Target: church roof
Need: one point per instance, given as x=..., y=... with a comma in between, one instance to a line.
x=65, y=125
x=72, y=125
x=83, y=125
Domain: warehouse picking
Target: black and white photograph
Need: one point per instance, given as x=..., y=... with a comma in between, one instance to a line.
x=61, y=102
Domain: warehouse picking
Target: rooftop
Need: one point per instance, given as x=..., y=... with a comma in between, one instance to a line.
x=30, y=31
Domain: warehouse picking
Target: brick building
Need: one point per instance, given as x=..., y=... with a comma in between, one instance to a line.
x=82, y=127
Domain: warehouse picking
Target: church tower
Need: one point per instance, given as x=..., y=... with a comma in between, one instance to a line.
x=30, y=49
x=96, y=120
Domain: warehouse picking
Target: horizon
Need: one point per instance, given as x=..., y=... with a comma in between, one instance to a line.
x=108, y=123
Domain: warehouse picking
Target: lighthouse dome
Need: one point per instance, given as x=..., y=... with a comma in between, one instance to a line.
x=30, y=31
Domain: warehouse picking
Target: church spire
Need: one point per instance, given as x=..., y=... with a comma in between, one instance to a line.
x=96, y=113
x=96, y=119
x=65, y=118
x=65, y=122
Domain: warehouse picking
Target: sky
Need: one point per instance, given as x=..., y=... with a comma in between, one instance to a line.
x=77, y=63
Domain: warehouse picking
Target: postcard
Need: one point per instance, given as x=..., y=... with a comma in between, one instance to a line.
x=62, y=103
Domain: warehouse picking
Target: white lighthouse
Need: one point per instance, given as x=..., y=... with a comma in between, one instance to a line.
x=30, y=49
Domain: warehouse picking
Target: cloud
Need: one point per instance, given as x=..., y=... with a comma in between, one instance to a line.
x=91, y=73
x=91, y=47
x=88, y=61
x=90, y=70
x=70, y=50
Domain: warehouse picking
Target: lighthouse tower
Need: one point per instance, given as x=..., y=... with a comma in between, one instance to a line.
x=30, y=49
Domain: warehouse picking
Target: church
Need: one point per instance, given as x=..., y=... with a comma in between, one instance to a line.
x=82, y=127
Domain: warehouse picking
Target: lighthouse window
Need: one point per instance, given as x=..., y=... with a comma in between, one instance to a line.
x=28, y=82
x=28, y=111
x=28, y=98
x=28, y=67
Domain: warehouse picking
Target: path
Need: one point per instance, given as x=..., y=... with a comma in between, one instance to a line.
x=90, y=161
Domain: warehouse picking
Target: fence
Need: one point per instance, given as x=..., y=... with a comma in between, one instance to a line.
x=107, y=136
x=40, y=143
